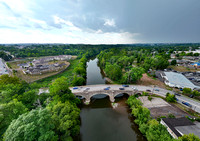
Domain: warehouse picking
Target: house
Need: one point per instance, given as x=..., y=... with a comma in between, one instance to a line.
x=177, y=127
x=173, y=56
x=24, y=65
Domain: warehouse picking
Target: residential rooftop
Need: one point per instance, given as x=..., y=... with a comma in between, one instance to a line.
x=181, y=126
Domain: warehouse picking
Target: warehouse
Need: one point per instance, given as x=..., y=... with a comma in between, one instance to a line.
x=178, y=80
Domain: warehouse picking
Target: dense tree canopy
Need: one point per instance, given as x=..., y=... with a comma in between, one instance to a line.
x=66, y=118
x=5, y=56
x=113, y=71
x=35, y=125
x=133, y=75
x=8, y=112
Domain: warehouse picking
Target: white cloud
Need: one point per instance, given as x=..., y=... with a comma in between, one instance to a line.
x=38, y=27
x=66, y=36
x=109, y=22
x=69, y=24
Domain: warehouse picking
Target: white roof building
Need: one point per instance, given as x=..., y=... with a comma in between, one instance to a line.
x=177, y=80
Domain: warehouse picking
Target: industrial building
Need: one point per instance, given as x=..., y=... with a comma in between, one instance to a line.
x=177, y=80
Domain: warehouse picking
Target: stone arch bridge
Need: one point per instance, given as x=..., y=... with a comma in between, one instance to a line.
x=111, y=93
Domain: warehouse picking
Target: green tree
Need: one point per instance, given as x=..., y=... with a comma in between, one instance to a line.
x=78, y=81
x=142, y=115
x=66, y=119
x=133, y=75
x=195, y=93
x=59, y=87
x=35, y=125
x=187, y=90
x=133, y=102
x=28, y=98
x=8, y=112
x=189, y=137
x=114, y=72
x=6, y=79
x=173, y=62
x=157, y=132
x=61, y=92
x=170, y=97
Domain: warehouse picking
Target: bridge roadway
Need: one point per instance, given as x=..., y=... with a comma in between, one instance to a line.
x=90, y=90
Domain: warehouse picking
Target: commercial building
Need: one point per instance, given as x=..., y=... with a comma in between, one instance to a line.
x=177, y=80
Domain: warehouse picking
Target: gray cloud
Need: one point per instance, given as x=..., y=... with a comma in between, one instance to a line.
x=154, y=20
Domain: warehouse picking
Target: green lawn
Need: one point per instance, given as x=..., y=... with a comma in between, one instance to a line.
x=67, y=73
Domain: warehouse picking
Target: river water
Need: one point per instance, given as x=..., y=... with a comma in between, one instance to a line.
x=100, y=121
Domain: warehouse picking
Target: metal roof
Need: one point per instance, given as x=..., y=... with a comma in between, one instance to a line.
x=179, y=80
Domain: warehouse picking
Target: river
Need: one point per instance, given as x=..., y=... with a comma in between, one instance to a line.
x=100, y=121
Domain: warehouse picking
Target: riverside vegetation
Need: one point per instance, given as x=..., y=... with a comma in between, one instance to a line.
x=151, y=128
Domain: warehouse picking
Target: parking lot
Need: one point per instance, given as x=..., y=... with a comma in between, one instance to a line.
x=158, y=107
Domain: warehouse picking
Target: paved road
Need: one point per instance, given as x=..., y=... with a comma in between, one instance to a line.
x=161, y=92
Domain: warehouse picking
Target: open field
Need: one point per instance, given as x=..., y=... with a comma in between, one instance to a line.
x=146, y=80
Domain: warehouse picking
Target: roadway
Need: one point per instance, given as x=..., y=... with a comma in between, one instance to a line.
x=156, y=90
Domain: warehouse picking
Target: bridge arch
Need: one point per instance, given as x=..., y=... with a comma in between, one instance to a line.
x=121, y=94
x=107, y=94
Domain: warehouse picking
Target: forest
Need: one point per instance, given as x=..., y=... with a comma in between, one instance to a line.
x=38, y=50
x=25, y=115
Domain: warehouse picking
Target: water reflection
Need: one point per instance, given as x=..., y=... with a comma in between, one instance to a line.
x=100, y=121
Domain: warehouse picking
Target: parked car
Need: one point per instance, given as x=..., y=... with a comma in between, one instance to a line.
x=134, y=88
x=87, y=88
x=106, y=88
x=177, y=99
x=157, y=90
x=148, y=90
x=191, y=96
x=75, y=88
x=187, y=104
x=121, y=88
x=181, y=89
x=177, y=94
x=125, y=85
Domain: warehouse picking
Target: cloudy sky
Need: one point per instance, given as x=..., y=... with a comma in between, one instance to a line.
x=99, y=21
